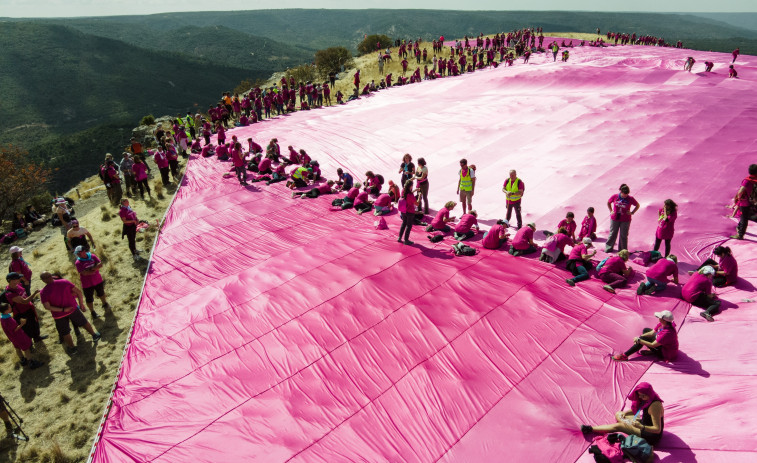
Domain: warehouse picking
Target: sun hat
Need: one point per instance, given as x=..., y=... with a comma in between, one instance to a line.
x=587, y=241
x=666, y=315
x=15, y=249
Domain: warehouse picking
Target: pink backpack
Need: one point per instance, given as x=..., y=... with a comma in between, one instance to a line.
x=381, y=224
x=605, y=451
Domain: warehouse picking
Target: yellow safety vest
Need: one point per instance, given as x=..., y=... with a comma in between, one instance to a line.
x=299, y=173
x=512, y=188
x=466, y=184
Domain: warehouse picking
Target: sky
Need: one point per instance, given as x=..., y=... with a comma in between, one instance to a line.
x=73, y=8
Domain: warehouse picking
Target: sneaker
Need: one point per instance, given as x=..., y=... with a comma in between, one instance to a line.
x=737, y=237
x=609, y=289
x=408, y=242
x=640, y=289
x=586, y=429
x=651, y=290
x=35, y=364
x=690, y=272
x=41, y=338
x=620, y=357
x=706, y=316
x=95, y=315
x=72, y=350
x=23, y=361
x=96, y=337
x=570, y=282
x=399, y=240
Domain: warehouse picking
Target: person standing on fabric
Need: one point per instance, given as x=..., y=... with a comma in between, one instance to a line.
x=743, y=201
x=665, y=225
x=614, y=272
x=23, y=306
x=237, y=158
x=735, y=54
x=620, y=219
x=657, y=276
x=77, y=236
x=645, y=418
x=466, y=185
x=513, y=189
x=579, y=261
x=60, y=298
x=17, y=336
x=407, y=168
x=129, y=229
x=88, y=265
x=726, y=269
x=421, y=174
x=406, y=207
x=140, y=176
x=661, y=341
x=19, y=265
x=698, y=292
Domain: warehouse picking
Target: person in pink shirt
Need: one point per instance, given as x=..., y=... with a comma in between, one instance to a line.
x=161, y=160
x=464, y=228
x=140, y=176
x=253, y=147
x=657, y=276
x=24, y=310
x=322, y=189
x=206, y=152
x=129, y=227
x=569, y=224
x=698, y=292
x=523, y=241
x=371, y=183
x=294, y=157
x=588, y=225
x=382, y=205
x=66, y=303
x=735, y=54
x=237, y=158
x=362, y=203
x=666, y=225
x=579, y=261
x=21, y=342
x=406, y=206
x=620, y=205
x=554, y=247
x=496, y=236
x=726, y=269
x=19, y=265
x=442, y=218
x=743, y=200
x=661, y=341
x=732, y=74
x=88, y=265
x=264, y=167
x=614, y=272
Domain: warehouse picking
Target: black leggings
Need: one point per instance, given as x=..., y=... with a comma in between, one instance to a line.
x=711, y=306
x=130, y=231
x=363, y=207
x=142, y=185
x=658, y=241
x=649, y=336
x=31, y=328
x=407, y=225
x=719, y=280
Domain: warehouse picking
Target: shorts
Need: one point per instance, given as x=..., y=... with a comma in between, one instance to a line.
x=89, y=293
x=76, y=317
x=466, y=194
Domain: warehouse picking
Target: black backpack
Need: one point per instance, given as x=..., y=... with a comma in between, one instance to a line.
x=380, y=179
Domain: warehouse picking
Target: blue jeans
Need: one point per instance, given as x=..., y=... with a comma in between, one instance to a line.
x=583, y=274
x=659, y=285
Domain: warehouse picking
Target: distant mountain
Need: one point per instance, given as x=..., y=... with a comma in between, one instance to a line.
x=57, y=81
x=743, y=20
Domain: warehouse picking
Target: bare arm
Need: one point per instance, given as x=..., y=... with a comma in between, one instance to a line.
x=740, y=193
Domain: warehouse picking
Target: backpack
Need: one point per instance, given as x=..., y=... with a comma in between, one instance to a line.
x=337, y=202
x=435, y=238
x=606, y=449
x=551, y=243
x=380, y=179
x=753, y=194
x=8, y=238
x=465, y=250
x=636, y=447
x=381, y=224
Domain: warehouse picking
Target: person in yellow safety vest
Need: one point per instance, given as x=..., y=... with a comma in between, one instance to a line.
x=513, y=189
x=300, y=177
x=466, y=185
x=189, y=123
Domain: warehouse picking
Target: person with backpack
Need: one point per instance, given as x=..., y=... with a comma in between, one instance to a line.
x=372, y=184
x=644, y=418
x=466, y=185
x=661, y=341
x=406, y=207
x=554, y=247
x=746, y=201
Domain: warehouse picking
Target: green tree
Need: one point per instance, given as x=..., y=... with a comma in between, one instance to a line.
x=22, y=179
x=368, y=45
x=331, y=60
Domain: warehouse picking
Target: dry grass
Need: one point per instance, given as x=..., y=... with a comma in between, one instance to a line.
x=62, y=402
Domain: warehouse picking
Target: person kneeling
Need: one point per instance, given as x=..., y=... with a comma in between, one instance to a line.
x=662, y=341
x=657, y=276
x=496, y=236
x=383, y=204
x=464, y=229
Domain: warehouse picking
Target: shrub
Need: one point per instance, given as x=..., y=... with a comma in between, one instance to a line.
x=147, y=120
x=22, y=180
x=304, y=73
x=368, y=45
x=331, y=60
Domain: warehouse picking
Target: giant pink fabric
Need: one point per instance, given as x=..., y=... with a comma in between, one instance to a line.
x=274, y=329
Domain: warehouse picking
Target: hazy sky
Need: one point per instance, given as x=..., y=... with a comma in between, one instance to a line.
x=60, y=8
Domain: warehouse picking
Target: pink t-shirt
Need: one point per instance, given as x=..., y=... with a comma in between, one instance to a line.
x=748, y=185
x=18, y=291
x=467, y=221
x=20, y=266
x=662, y=269
x=87, y=281
x=588, y=226
x=161, y=159
x=383, y=200
x=522, y=238
x=621, y=207
x=352, y=194
x=491, y=240
x=127, y=213
x=59, y=293
x=140, y=171
x=728, y=265
x=571, y=227
x=667, y=337
x=361, y=198
x=324, y=188
x=561, y=240
x=18, y=338
x=578, y=251
x=438, y=222
x=665, y=227
x=237, y=157
x=614, y=264
x=697, y=284
x=264, y=164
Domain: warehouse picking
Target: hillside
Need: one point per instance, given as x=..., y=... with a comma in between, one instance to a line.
x=57, y=81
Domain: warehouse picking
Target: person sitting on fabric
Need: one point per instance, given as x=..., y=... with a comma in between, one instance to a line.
x=294, y=157
x=523, y=241
x=349, y=200
x=394, y=191
x=698, y=291
x=322, y=189
x=588, y=225
x=662, y=341
x=569, y=224
x=372, y=184
x=464, y=228
x=345, y=181
x=579, y=261
x=657, y=276
x=726, y=270
x=614, y=272
x=442, y=218
x=645, y=418
x=362, y=203
x=496, y=236
x=382, y=205
x=554, y=248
